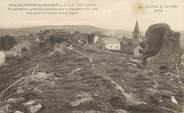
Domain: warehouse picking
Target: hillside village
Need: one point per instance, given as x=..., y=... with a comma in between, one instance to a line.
x=98, y=39
x=68, y=71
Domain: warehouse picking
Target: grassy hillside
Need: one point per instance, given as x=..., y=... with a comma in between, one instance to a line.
x=86, y=82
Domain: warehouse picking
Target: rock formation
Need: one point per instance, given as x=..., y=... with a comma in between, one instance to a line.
x=163, y=47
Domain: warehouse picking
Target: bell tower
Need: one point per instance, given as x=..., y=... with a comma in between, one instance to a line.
x=136, y=34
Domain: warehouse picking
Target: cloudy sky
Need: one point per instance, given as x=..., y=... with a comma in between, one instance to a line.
x=112, y=14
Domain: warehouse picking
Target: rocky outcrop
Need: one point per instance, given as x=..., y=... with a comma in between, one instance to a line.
x=163, y=47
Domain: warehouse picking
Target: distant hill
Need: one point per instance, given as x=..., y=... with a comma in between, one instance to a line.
x=80, y=28
x=12, y=32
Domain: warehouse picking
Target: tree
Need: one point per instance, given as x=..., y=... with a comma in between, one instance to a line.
x=7, y=42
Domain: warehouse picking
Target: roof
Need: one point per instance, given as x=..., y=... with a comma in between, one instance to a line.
x=136, y=29
x=127, y=40
x=110, y=40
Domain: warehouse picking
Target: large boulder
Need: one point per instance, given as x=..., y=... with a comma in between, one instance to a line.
x=163, y=47
x=155, y=35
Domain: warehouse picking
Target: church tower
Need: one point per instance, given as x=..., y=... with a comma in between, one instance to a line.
x=136, y=34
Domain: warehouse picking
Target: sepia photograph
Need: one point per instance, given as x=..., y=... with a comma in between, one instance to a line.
x=69, y=56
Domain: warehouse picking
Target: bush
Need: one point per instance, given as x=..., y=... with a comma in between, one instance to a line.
x=7, y=42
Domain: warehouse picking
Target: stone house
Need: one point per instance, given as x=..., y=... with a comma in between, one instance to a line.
x=109, y=43
x=127, y=47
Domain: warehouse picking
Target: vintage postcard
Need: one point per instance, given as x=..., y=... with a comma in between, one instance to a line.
x=91, y=56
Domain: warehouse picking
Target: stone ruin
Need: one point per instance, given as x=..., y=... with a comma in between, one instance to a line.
x=163, y=48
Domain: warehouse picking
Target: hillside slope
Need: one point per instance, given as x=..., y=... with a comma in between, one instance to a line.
x=87, y=82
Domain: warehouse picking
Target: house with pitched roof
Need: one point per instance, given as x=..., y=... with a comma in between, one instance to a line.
x=109, y=43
